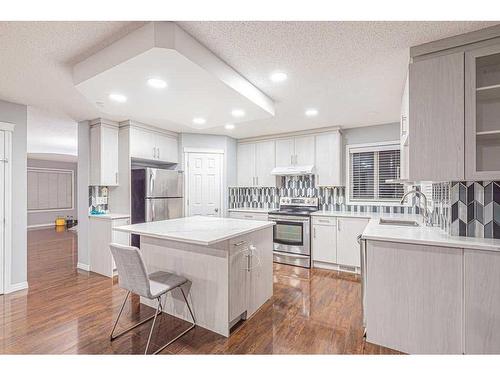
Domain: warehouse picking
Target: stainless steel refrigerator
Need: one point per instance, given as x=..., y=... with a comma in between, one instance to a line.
x=157, y=194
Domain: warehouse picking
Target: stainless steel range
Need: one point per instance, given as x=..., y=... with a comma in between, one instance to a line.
x=292, y=232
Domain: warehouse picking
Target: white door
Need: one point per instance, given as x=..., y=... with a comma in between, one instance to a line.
x=304, y=150
x=348, y=231
x=324, y=243
x=264, y=163
x=204, y=184
x=284, y=152
x=2, y=210
x=246, y=164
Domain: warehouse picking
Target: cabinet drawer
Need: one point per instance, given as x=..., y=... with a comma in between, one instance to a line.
x=248, y=215
x=324, y=221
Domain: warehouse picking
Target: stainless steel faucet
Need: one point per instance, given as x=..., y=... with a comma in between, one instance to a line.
x=424, y=211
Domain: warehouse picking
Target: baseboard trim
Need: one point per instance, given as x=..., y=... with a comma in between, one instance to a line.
x=40, y=226
x=83, y=266
x=16, y=287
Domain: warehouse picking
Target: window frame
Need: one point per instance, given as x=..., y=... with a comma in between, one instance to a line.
x=56, y=170
x=369, y=147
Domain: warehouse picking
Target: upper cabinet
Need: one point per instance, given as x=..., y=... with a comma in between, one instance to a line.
x=103, y=153
x=153, y=145
x=435, y=132
x=328, y=147
x=482, y=113
x=256, y=160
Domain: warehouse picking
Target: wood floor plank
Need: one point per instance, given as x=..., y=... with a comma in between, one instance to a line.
x=69, y=311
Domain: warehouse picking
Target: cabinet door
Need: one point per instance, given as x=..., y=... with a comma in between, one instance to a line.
x=482, y=302
x=142, y=144
x=324, y=246
x=284, y=152
x=265, y=158
x=404, y=132
x=109, y=156
x=166, y=148
x=328, y=159
x=238, y=274
x=436, y=124
x=246, y=164
x=348, y=231
x=304, y=150
x=482, y=113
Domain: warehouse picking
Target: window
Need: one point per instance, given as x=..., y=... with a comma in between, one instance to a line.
x=50, y=189
x=369, y=167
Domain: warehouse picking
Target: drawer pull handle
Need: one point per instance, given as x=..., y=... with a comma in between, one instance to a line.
x=240, y=243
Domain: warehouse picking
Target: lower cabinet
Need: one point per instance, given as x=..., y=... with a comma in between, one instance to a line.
x=102, y=234
x=482, y=302
x=334, y=242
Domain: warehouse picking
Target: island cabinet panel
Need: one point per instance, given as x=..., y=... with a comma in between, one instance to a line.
x=414, y=297
x=482, y=302
x=238, y=278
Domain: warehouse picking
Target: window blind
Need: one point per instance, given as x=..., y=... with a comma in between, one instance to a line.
x=50, y=189
x=369, y=171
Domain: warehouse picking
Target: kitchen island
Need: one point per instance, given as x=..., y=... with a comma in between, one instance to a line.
x=228, y=262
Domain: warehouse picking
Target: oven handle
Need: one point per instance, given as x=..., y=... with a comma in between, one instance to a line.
x=288, y=220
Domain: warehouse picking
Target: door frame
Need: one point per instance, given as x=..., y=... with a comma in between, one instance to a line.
x=194, y=150
x=6, y=250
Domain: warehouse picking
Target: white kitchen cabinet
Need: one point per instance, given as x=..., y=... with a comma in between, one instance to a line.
x=404, y=132
x=348, y=230
x=328, y=164
x=248, y=215
x=482, y=302
x=153, y=146
x=304, y=150
x=103, y=154
x=238, y=279
x=324, y=241
x=255, y=163
x=101, y=228
x=285, y=152
x=414, y=297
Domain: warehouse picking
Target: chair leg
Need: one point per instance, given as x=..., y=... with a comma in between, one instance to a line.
x=158, y=311
x=128, y=329
x=183, y=332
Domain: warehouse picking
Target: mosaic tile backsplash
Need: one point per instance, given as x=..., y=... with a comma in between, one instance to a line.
x=475, y=209
x=98, y=199
x=330, y=198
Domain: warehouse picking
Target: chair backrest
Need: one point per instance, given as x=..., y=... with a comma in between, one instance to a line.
x=132, y=272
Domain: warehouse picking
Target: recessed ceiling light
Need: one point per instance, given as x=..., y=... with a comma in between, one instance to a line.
x=311, y=112
x=199, y=121
x=118, y=98
x=238, y=113
x=278, y=77
x=229, y=126
x=157, y=83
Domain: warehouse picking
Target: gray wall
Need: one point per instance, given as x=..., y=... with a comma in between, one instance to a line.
x=41, y=218
x=83, y=193
x=222, y=142
x=17, y=114
x=367, y=134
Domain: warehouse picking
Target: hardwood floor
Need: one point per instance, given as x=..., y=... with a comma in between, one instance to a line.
x=71, y=311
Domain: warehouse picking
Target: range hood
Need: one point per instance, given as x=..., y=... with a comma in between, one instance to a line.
x=294, y=170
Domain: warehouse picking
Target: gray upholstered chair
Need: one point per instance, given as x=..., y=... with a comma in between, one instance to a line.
x=134, y=277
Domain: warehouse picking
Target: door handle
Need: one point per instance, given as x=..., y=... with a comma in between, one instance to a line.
x=216, y=210
x=4, y=160
x=158, y=152
x=257, y=180
x=314, y=232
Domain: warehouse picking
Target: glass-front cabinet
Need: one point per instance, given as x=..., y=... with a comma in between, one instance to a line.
x=482, y=113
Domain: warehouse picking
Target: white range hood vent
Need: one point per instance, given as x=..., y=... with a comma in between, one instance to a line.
x=295, y=170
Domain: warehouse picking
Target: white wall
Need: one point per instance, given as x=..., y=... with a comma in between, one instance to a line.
x=220, y=142
x=17, y=114
x=83, y=193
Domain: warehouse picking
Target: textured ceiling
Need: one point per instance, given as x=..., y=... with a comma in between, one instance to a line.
x=353, y=72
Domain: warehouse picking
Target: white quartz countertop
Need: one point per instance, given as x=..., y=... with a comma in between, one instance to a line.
x=423, y=235
x=110, y=216
x=199, y=230
x=250, y=209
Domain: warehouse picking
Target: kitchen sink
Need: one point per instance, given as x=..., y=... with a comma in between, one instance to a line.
x=396, y=222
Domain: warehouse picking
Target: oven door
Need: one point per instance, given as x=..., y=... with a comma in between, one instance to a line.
x=291, y=235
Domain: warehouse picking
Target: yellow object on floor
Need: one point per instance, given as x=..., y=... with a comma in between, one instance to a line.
x=60, y=221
